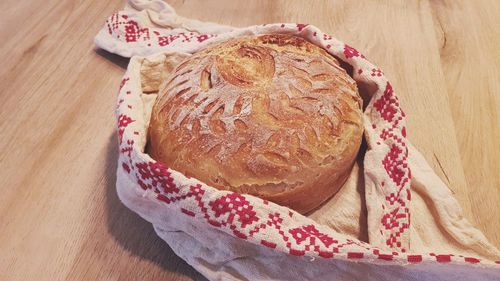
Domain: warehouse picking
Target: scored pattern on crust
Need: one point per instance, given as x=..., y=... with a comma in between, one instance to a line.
x=260, y=115
x=265, y=223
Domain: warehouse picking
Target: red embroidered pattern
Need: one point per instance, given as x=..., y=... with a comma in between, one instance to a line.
x=301, y=26
x=234, y=205
x=311, y=233
x=133, y=32
x=387, y=105
x=377, y=72
x=124, y=81
x=350, y=52
x=396, y=218
x=128, y=148
x=247, y=217
x=123, y=122
x=121, y=25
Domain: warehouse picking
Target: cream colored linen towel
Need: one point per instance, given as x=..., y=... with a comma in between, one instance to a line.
x=393, y=220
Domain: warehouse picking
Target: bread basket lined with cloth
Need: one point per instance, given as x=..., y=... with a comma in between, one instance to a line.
x=392, y=219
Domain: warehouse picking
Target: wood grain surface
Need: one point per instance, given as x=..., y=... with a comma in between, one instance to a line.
x=60, y=218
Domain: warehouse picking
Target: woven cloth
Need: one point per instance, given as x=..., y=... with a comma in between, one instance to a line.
x=393, y=219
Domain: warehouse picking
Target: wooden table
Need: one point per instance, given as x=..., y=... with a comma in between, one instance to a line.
x=60, y=217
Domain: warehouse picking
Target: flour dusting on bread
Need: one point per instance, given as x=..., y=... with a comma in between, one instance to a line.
x=269, y=114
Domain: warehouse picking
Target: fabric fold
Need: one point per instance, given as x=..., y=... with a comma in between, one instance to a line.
x=396, y=216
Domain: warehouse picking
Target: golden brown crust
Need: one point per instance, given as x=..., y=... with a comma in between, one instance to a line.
x=272, y=115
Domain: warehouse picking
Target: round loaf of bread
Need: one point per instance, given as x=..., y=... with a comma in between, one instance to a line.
x=272, y=116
